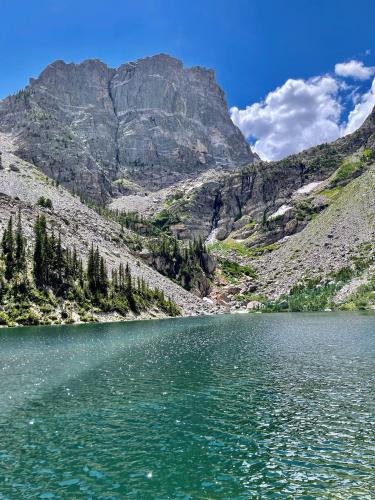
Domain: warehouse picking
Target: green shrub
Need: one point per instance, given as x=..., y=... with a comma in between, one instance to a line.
x=4, y=318
x=364, y=297
x=367, y=155
x=164, y=219
x=331, y=193
x=28, y=318
x=311, y=296
x=248, y=296
x=231, y=268
x=344, y=274
x=231, y=246
x=345, y=171
x=266, y=248
x=44, y=202
x=170, y=199
x=87, y=318
x=46, y=308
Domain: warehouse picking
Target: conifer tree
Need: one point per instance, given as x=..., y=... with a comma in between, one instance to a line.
x=40, y=252
x=8, y=249
x=20, y=252
x=128, y=280
x=103, y=277
x=91, y=270
x=59, y=261
x=115, y=280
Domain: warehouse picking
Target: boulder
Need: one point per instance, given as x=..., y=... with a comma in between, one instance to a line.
x=208, y=263
x=254, y=305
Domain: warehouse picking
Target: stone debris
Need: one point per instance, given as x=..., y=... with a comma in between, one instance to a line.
x=79, y=225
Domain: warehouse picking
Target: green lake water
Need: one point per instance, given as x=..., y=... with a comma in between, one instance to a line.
x=225, y=407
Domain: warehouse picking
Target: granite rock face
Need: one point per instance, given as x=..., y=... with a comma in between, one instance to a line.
x=211, y=207
x=151, y=122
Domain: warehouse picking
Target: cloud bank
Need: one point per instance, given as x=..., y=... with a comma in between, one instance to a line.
x=302, y=113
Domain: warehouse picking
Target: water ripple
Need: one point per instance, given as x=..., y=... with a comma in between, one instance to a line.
x=232, y=407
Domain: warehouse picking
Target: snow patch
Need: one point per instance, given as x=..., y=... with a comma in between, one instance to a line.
x=281, y=211
x=307, y=188
x=212, y=237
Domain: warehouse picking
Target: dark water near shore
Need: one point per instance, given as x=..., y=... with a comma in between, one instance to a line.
x=226, y=407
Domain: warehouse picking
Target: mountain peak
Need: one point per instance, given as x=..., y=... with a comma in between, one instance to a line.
x=150, y=122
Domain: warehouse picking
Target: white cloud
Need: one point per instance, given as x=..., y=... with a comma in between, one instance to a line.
x=361, y=110
x=295, y=116
x=354, y=69
x=304, y=113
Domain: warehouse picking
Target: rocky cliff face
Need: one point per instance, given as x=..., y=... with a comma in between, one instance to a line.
x=98, y=130
x=309, y=216
x=214, y=204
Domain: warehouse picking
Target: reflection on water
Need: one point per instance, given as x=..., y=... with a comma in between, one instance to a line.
x=236, y=407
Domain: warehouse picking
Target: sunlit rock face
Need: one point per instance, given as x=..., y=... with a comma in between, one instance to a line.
x=152, y=121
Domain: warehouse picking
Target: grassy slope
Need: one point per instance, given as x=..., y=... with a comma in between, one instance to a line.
x=329, y=242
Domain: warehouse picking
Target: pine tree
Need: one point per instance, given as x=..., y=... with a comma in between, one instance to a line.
x=91, y=270
x=128, y=281
x=97, y=275
x=8, y=250
x=20, y=253
x=96, y=281
x=40, y=252
x=121, y=277
x=115, y=280
x=103, y=277
x=80, y=272
x=59, y=261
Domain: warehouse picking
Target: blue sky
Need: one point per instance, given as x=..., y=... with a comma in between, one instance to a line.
x=254, y=46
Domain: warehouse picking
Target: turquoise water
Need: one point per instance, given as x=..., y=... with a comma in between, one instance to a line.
x=226, y=407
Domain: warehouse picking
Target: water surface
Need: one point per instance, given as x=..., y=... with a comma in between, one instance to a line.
x=226, y=407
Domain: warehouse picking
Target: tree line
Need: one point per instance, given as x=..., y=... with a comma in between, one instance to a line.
x=183, y=264
x=49, y=267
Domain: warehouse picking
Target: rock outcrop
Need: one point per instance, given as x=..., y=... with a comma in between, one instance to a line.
x=99, y=131
x=211, y=206
x=306, y=216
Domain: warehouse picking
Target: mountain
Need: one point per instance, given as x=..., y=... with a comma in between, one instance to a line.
x=143, y=126
x=168, y=185
x=213, y=205
x=22, y=187
x=308, y=216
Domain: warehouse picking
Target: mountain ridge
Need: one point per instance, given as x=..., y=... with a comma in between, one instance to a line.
x=298, y=219
x=274, y=228
x=151, y=122
x=261, y=189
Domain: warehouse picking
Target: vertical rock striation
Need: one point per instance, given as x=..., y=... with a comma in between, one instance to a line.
x=152, y=122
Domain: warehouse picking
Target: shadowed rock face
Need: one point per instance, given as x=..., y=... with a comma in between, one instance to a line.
x=151, y=121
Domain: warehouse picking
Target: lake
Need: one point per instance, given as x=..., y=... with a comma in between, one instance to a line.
x=225, y=407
